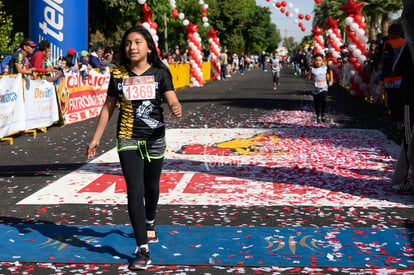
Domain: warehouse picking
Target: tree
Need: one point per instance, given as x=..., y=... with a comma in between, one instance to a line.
x=7, y=44
x=260, y=34
x=242, y=26
x=390, y=6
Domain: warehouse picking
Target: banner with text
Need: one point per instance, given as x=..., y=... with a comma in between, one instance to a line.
x=12, y=114
x=40, y=103
x=80, y=97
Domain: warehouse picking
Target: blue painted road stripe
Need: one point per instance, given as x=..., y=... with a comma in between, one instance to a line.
x=245, y=246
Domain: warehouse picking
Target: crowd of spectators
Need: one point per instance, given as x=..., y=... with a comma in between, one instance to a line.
x=35, y=61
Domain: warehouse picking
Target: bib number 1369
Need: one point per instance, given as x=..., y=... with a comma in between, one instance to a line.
x=139, y=88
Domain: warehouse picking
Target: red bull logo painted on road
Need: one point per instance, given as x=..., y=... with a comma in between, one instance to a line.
x=309, y=166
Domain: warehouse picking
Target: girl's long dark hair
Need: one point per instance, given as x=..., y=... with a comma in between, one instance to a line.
x=152, y=57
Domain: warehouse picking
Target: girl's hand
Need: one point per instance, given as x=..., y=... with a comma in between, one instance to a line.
x=91, y=149
x=176, y=109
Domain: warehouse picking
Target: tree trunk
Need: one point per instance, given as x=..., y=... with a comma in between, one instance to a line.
x=384, y=24
x=372, y=28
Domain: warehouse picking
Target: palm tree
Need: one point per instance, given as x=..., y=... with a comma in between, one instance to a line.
x=390, y=6
x=372, y=10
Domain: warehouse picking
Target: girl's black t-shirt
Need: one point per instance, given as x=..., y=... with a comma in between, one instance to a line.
x=140, y=117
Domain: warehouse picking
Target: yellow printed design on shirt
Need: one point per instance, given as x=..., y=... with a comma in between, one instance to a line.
x=127, y=119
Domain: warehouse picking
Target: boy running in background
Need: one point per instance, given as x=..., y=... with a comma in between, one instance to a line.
x=322, y=78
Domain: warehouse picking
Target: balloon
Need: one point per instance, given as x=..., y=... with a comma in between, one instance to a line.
x=295, y=10
x=300, y=24
x=363, y=25
x=142, y=2
x=301, y=16
x=186, y=22
x=278, y=5
x=154, y=25
x=349, y=20
x=352, y=47
x=284, y=3
x=146, y=25
x=354, y=26
x=203, y=9
x=181, y=15
x=282, y=10
x=174, y=13
x=318, y=1
x=287, y=13
x=303, y=29
x=307, y=17
x=362, y=59
x=360, y=33
x=205, y=25
x=290, y=5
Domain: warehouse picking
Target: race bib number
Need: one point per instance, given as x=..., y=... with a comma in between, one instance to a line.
x=139, y=88
x=320, y=83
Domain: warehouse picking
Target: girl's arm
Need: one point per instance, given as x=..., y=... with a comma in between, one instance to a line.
x=173, y=103
x=106, y=113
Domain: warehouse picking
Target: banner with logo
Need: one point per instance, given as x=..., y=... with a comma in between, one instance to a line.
x=63, y=23
x=81, y=98
x=12, y=113
x=40, y=103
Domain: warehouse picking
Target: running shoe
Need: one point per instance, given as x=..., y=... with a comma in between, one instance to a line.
x=142, y=260
x=405, y=187
x=152, y=235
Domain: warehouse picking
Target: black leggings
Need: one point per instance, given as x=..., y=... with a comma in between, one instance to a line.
x=142, y=180
x=319, y=101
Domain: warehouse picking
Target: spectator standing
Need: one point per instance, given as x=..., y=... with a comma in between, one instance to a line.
x=84, y=66
x=40, y=59
x=262, y=60
x=235, y=64
x=223, y=64
x=403, y=178
x=141, y=141
x=178, y=58
x=241, y=64
x=71, y=58
x=404, y=173
x=390, y=80
x=164, y=59
x=96, y=59
x=185, y=57
x=108, y=58
x=20, y=60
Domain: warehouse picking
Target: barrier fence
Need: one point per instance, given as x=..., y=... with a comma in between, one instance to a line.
x=28, y=105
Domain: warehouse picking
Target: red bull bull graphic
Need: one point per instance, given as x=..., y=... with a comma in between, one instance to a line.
x=63, y=23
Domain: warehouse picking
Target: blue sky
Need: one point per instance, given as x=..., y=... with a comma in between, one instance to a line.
x=282, y=21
